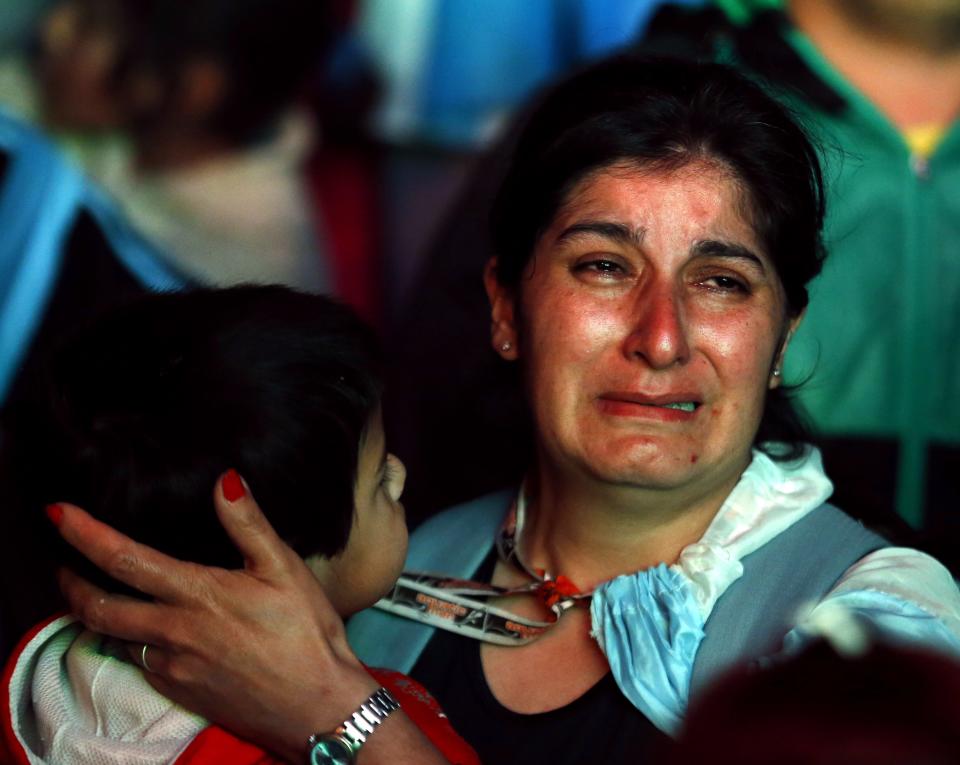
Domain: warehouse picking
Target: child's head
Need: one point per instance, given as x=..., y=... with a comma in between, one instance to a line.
x=147, y=407
x=228, y=66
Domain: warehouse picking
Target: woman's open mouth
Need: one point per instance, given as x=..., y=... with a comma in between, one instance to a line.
x=672, y=408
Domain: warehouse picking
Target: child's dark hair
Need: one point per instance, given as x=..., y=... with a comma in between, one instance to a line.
x=143, y=410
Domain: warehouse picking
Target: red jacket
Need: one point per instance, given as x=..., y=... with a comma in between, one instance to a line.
x=212, y=744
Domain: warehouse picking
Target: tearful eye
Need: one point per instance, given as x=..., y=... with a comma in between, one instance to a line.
x=727, y=284
x=600, y=267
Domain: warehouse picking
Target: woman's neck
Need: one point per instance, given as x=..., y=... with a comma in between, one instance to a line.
x=591, y=532
x=904, y=69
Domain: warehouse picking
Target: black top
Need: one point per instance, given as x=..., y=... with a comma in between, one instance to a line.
x=600, y=726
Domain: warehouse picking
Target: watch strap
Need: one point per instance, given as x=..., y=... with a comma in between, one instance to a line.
x=368, y=716
x=355, y=730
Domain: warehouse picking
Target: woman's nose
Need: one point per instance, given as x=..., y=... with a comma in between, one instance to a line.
x=658, y=332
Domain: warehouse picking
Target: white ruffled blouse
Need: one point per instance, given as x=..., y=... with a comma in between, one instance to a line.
x=650, y=623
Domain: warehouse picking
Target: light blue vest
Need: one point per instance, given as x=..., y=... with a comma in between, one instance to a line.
x=749, y=620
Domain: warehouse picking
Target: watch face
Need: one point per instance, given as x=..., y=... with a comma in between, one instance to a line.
x=330, y=750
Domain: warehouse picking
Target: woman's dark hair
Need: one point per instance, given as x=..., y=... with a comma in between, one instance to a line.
x=143, y=410
x=662, y=114
x=267, y=49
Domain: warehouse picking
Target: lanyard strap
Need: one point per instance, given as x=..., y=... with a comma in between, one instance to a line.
x=464, y=607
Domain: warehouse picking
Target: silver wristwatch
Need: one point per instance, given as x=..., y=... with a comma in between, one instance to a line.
x=341, y=746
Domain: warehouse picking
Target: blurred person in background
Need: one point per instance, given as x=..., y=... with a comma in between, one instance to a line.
x=18, y=19
x=878, y=83
x=453, y=72
x=186, y=112
x=67, y=254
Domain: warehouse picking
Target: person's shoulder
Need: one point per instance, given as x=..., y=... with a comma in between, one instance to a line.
x=824, y=536
x=458, y=539
x=845, y=525
x=486, y=510
x=903, y=593
x=899, y=570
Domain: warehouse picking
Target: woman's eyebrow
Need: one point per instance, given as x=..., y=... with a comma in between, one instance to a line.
x=715, y=248
x=616, y=232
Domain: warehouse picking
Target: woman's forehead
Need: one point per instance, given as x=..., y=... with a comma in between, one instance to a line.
x=695, y=198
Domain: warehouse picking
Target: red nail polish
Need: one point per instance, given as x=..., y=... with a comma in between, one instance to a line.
x=233, y=486
x=55, y=514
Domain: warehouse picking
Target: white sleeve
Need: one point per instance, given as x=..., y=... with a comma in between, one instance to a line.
x=903, y=595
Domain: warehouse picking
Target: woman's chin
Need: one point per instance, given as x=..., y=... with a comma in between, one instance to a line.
x=652, y=463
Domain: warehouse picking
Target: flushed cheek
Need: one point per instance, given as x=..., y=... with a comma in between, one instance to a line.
x=741, y=372
x=738, y=349
x=569, y=328
x=564, y=353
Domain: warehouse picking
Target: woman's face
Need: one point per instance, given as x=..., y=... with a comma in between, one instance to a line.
x=649, y=322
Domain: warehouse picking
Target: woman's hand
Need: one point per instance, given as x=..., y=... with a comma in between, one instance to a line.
x=259, y=651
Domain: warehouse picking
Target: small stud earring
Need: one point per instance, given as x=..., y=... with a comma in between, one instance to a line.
x=506, y=346
x=776, y=371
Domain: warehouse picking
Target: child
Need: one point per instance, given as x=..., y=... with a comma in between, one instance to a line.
x=143, y=411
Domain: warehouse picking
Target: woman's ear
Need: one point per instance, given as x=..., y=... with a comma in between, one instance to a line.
x=503, y=329
x=776, y=374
